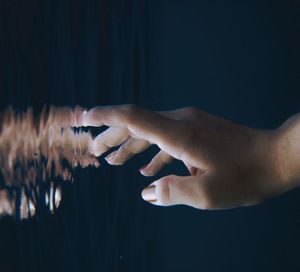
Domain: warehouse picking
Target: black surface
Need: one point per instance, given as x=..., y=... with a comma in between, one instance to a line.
x=236, y=59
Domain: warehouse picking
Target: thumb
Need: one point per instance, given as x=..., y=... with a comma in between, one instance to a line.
x=174, y=190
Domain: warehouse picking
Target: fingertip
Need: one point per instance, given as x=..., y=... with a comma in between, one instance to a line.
x=149, y=194
x=113, y=162
x=142, y=168
x=114, y=159
x=109, y=157
x=146, y=171
x=146, y=174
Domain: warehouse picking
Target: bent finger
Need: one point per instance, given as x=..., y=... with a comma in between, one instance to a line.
x=160, y=160
x=127, y=151
x=111, y=137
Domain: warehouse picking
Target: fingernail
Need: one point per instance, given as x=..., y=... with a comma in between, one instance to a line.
x=142, y=168
x=113, y=159
x=149, y=194
x=110, y=156
x=145, y=171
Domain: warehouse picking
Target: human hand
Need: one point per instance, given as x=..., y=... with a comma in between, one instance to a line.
x=230, y=165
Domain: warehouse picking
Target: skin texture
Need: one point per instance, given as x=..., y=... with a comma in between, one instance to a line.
x=230, y=165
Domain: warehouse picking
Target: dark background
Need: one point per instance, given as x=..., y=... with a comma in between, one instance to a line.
x=236, y=59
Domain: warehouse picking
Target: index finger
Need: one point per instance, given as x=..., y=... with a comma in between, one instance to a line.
x=169, y=134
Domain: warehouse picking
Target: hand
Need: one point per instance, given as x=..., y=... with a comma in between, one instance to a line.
x=230, y=165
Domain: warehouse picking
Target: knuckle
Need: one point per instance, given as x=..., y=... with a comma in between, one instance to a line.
x=164, y=190
x=192, y=132
x=130, y=108
x=191, y=135
x=129, y=111
x=191, y=111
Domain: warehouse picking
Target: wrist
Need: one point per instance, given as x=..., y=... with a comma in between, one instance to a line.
x=286, y=142
x=267, y=162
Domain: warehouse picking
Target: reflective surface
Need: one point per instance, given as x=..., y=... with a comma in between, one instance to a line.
x=235, y=59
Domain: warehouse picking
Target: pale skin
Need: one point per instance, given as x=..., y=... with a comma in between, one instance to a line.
x=230, y=165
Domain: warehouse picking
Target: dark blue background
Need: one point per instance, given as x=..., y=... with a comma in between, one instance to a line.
x=236, y=59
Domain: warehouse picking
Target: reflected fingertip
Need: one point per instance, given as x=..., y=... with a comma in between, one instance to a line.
x=83, y=118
